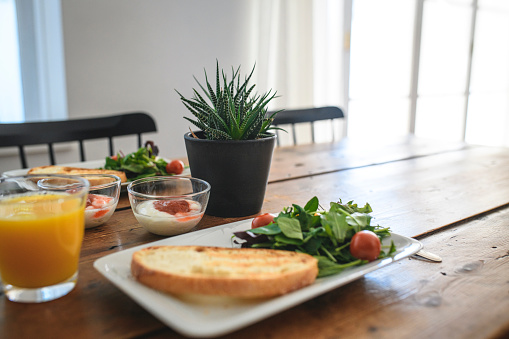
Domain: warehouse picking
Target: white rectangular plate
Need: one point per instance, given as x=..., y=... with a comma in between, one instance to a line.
x=213, y=316
x=84, y=164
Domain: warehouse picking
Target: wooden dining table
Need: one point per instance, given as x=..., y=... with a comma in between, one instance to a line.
x=452, y=197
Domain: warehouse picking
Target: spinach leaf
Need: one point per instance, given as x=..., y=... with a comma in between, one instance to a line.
x=327, y=267
x=307, y=219
x=271, y=229
x=359, y=221
x=283, y=239
x=312, y=245
x=350, y=207
x=338, y=225
x=312, y=205
x=132, y=167
x=290, y=227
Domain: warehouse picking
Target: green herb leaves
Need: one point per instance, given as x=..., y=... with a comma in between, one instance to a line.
x=290, y=227
x=231, y=111
x=336, y=226
x=140, y=164
x=324, y=234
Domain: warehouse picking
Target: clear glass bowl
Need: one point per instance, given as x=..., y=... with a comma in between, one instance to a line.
x=168, y=205
x=102, y=198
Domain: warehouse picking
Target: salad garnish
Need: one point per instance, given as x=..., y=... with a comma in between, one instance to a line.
x=326, y=235
x=142, y=163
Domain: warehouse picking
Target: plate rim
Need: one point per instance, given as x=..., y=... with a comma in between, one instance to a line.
x=23, y=171
x=83, y=164
x=263, y=310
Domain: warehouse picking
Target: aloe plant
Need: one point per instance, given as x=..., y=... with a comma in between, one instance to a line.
x=232, y=111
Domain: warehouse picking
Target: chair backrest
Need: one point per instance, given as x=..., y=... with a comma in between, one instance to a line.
x=311, y=115
x=50, y=132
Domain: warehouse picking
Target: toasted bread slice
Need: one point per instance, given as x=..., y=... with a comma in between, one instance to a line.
x=234, y=272
x=77, y=171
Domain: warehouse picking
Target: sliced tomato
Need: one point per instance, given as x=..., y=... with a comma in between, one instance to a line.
x=101, y=213
x=97, y=201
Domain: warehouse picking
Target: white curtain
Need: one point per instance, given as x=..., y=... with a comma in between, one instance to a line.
x=301, y=49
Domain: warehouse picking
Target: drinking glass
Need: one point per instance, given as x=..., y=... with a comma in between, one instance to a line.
x=41, y=231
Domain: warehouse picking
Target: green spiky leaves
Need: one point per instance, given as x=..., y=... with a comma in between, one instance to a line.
x=230, y=111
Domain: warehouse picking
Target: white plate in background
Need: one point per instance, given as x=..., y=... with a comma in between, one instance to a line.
x=84, y=164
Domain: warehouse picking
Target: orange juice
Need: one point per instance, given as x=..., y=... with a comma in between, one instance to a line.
x=40, y=238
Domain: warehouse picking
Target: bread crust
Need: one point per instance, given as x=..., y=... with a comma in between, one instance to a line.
x=250, y=273
x=53, y=169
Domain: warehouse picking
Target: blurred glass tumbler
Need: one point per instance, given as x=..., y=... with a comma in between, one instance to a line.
x=41, y=231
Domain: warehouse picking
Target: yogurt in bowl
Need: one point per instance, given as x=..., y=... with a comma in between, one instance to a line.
x=168, y=205
x=99, y=209
x=102, y=198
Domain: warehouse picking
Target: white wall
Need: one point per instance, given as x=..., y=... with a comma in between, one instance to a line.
x=130, y=55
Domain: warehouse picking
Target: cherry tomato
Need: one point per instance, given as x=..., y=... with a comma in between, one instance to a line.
x=114, y=157
x=175, y=167
x=262, y=220
x=365, y=245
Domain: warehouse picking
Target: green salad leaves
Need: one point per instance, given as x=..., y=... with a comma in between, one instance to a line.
x=140, y=164
x=326, y=235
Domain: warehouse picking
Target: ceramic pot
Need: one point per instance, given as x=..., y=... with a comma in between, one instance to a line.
x=237, y=171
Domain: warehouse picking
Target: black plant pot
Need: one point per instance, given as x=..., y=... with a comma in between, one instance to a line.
x=237, y=171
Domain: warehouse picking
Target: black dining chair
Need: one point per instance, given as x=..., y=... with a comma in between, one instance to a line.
x=310, y=115
x=50, y=132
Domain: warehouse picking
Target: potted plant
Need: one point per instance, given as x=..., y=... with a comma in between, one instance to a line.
x=233, y=149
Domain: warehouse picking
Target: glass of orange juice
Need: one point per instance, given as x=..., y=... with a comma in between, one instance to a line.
x=41, y=231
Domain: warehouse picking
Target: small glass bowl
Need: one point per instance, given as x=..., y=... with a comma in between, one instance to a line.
x=102, y=198
x=168, y=205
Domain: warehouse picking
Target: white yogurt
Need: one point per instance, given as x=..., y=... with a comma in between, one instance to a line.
x=163, y=223
x=92, y=221
x=100, y=210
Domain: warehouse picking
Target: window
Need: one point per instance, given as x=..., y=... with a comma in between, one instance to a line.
x=488, y=106
x=11, y=95
x=380, y=67
x=438, y=68
x=32, y=67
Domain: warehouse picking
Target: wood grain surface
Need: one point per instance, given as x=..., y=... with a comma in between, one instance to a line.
x=454, y=198
x=414, y=196
x=304, y=160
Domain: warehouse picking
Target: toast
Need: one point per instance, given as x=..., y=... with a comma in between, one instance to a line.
x=233, y=272
x=77, y=171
